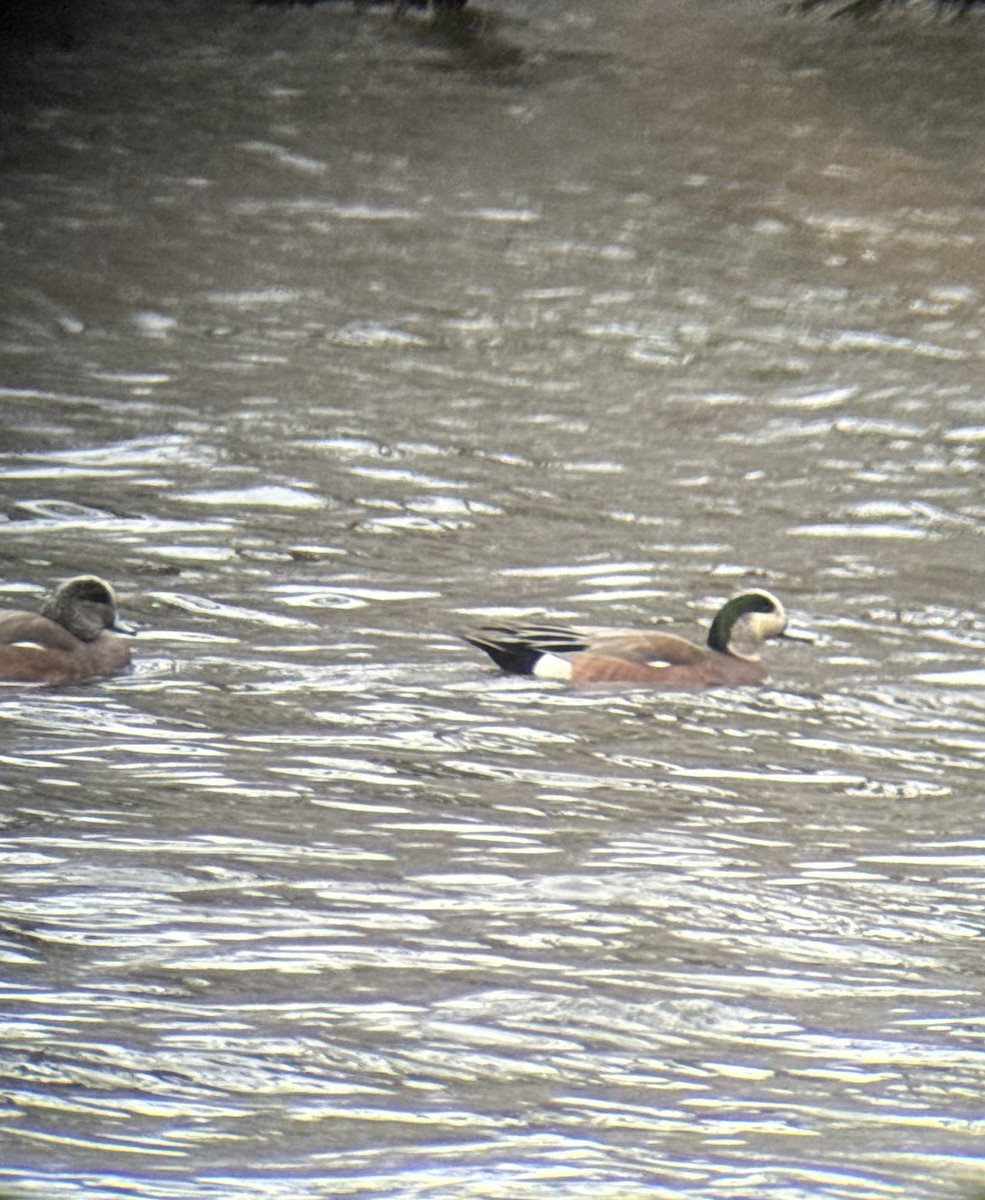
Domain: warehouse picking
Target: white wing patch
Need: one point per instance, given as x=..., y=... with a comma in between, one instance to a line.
x=658, y=662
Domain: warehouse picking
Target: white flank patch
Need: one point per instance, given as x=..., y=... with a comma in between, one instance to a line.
x=552, y=666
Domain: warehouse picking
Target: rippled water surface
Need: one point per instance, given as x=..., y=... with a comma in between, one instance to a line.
x=325, y=334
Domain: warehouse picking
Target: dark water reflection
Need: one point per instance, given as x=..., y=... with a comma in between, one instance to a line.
x=323, y=335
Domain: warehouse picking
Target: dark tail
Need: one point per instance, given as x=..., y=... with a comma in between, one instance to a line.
x=508, y=651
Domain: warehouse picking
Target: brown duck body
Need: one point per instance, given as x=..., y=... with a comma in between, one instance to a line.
x=627, y=657
x=69, y=640
x=593, y=655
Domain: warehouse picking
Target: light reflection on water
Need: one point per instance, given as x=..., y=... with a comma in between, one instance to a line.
x=555, y=315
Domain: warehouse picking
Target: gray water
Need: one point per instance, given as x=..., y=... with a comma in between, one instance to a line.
x=325, y=334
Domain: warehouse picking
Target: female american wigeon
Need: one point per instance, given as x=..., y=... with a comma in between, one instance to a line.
x=660, y=660
x=68, y=640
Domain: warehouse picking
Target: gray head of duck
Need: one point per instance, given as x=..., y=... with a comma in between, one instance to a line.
x=749, y=617
x=85, y=606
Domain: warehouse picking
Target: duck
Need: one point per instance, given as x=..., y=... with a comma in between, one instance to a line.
x=73, y=636
x=649, y=658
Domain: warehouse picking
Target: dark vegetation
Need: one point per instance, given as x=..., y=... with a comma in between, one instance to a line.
x=26, y=22
x=398, y=6
x=860, y=9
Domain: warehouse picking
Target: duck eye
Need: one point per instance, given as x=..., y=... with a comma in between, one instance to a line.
x=95, y=592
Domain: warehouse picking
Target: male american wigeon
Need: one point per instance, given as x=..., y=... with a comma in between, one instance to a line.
x=70, y=639
x=590, y=654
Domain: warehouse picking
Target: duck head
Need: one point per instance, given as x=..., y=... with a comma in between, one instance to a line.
x=85, y=606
